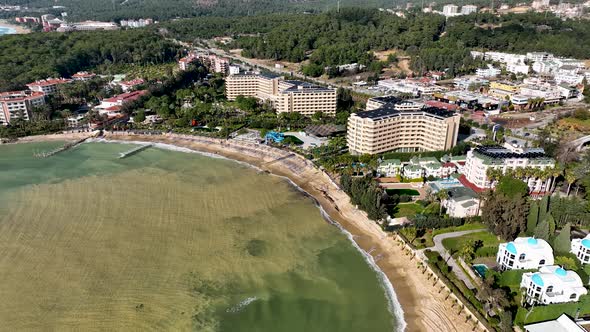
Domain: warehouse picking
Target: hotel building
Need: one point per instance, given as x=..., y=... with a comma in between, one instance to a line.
x=48, y=86
x=285, y=96
x=505, y=159
x=19, y=104
x=524, y=253
x=552, y=284
x=389, y=129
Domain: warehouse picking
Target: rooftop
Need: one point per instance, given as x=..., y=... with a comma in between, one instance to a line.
x=498, y=152
x=49, y=81
x=126, y=97
x=387, y=112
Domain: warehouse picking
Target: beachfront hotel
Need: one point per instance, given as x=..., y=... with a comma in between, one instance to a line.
x=48, y=86
x=504, y=159
x=524, y=253
x=285, y=96
x=390, y=129
x=552, y=284
x=19, y=104
x=581, y=248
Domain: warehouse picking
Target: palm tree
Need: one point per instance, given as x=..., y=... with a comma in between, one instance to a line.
x=570, y=177
x=441, y=195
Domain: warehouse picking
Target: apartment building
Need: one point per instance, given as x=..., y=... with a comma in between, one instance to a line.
x=388, y=129
x=549, y=93
x=48, y=86
x=552, y=284
x=501, y=89
x=505, y=159
x=19, y=104
x=524, y=253
x=450, y=10
x=285, y=96
x=468, y=9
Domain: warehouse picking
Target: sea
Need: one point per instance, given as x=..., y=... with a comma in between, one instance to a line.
x=172, y=241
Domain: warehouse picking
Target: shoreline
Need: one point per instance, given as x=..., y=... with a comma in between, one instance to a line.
x=423, y=306
x=19, y=29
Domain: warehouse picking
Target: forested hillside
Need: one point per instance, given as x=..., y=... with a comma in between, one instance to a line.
x=25, y=58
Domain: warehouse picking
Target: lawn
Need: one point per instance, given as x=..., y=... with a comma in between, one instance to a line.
x=548, y=312
x=426, y=241
x=407, y=210
x=399, y=192
x=489, y=248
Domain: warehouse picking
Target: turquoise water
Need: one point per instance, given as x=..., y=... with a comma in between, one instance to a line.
x=171, y=241
x=6, y=31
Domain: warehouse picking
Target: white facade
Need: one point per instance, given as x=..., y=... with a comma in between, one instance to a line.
x=390, y=168
x=562, y=324
x=450, y=10
x=488, y=72
x=524, y=253
x=47, y=86
x=517, y=68
x=462, y=207
x=581, y=248
x=413, y=171
x=505, y=58
x=505, y=158
x=539, y=56
x=552, y=284
x=468, y=9
x=234, y=70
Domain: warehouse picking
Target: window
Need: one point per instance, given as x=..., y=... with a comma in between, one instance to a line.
x=542, y=262
x=522, y=257
x=573, y=296
x=549, y=289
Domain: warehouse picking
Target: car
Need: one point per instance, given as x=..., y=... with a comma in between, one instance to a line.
x=514, y=141
x=527, y=134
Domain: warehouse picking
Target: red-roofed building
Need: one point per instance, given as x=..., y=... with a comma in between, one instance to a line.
x=130, y=85
x=19, y=104
x=112, y=106
x=443, y=105
x=48, y=86
x=184, y=63
x=83, y=76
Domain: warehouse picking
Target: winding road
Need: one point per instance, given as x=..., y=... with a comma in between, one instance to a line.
x=438, y=247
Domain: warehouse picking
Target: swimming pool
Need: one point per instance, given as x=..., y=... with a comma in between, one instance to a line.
x=480, y=269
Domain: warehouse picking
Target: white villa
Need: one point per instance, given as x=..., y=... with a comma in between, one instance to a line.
x=524, y=253
x=552, y=284
x=413, y=171
x=390, y=167
x=581, y=248
x=462, y=202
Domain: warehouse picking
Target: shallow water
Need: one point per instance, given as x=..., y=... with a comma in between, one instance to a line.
x=171, y=241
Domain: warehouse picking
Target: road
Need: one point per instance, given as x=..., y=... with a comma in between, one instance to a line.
x=438, y=247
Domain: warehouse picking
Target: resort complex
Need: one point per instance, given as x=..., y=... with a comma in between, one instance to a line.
x=552, y=284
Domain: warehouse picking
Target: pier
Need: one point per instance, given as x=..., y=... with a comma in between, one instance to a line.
x=134, y=151
x=67, y=146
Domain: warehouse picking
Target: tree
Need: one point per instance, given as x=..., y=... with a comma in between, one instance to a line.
x=139, y=116
x=543, y=208
x=504, y=216
x=467, y=251
x=442, y=195
x=542, y=230
x=506, y=321
x=562, y=242
x=532, y=218
x=511, y=187
x=566, y=262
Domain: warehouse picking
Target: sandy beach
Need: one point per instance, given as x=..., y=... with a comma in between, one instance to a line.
x=18, y=28
x=425, y=306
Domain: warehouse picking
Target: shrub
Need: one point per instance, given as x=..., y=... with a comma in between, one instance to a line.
x=405, y=198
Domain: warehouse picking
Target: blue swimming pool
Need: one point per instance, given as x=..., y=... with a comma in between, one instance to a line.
x=480, y=269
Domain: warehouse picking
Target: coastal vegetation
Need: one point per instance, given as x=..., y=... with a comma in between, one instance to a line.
x=30, y=57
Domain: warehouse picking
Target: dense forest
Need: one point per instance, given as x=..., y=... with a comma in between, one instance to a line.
x=25, y=58
x=115, y=10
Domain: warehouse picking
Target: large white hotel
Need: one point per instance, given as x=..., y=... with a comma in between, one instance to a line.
x=395, y=125
x=504, y=159
x=286, y=96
